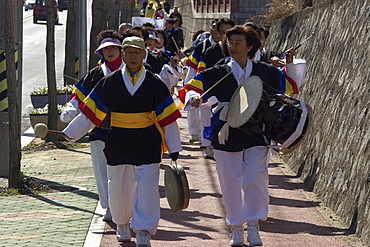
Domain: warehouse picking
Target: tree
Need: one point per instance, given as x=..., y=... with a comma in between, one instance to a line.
x=15, y=176
x=50, y=70
x=126, y=8
x=113, y=14
x=99, y=23
x=70, y=45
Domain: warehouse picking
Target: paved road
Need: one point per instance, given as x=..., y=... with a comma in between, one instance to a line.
x=34, y=56
x=68, y=218
x=294, y=219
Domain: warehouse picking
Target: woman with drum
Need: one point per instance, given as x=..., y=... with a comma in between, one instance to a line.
x=242, y=156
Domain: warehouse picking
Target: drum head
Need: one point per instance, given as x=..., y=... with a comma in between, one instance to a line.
x=245, y=101
x=176, y=187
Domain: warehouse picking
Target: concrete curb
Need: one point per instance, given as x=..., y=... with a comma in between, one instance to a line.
x=96, y=229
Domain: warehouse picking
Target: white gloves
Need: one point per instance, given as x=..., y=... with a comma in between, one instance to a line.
x=70, y=112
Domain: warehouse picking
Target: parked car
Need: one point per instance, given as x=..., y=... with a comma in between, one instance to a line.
x=62, y=5
x=29, y=4
x=39, y=11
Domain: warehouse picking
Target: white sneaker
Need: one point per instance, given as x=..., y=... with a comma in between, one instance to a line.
x=254, y=238
x=208, y=152
x=107, y=216
x=123, y=233
x=237, y=236
x=142, y=239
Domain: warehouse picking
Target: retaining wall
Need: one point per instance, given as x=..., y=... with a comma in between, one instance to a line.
x=197, y=17
x=334, y=160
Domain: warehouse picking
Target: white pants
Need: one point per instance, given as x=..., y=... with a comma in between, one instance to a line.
x=205, y=119
x=134, y=193
x=243, y=179
x=194, y=123
x=99, y=163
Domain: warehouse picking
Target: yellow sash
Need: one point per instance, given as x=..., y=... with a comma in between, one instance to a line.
x=138, y=121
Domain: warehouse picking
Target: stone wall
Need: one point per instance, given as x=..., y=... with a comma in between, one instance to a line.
x=334, y=160
x=196, y=17
x=245, y=10
x=193, y=21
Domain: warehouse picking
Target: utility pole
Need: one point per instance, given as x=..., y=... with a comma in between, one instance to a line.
x=10, y=34
x=4, y=114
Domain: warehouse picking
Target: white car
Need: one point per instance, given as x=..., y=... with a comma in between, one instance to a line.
x=28, y=4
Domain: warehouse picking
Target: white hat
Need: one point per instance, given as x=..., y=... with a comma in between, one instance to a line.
x=108, y=42
x=152, y=35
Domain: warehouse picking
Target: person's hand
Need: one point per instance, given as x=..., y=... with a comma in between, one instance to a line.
x=67, y=137
x=289, y=55
x=179, y=54
x=277, y=61
x=195, y=102
x=174, y=156
x=174, y=61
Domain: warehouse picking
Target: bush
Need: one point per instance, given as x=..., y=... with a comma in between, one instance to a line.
x=44, y=90
x=277, y=9
x=44, y=110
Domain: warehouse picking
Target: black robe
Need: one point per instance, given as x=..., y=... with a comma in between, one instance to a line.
x=129, y=145
x=212, y=55
x=88, y=82
x=238, y=139
x=156, y=61
x=267, y=55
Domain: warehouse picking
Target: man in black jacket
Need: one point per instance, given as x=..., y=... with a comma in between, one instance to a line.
x=173, y=36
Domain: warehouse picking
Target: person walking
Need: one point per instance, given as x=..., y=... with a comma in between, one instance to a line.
x=159, y=13
x=176, y=15
x=142, y=126
x=166, y=6
x=242, y=159
x=197, y=62
x=173, y=36
x=150, y=10
x=109, y=48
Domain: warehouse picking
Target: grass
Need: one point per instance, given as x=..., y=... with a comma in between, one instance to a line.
x=9, y=192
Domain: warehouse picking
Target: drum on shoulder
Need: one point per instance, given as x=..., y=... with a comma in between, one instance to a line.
x=285, y=120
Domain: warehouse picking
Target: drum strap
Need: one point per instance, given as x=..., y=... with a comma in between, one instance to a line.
x=224, y=107
x=223, y=134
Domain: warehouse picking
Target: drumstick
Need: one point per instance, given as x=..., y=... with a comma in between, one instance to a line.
x=41, y=130
x=304, y=41
x=295, y=48
x=215, y=84
x=174, y=41
x=173, y=75
x=70, y=77
x=57, y=132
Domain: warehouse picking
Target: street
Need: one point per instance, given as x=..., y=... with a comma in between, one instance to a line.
x=34, y=56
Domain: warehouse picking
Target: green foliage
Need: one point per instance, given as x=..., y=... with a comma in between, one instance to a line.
x=9, y=192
